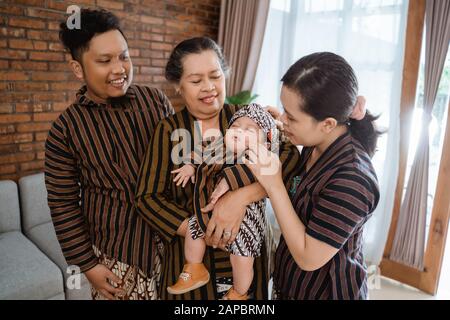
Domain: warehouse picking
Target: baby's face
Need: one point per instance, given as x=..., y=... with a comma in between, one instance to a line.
x=243, y=132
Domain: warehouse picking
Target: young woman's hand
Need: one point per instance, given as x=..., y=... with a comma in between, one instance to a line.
x=184, y=173
x=276, y=114
x=98, y=276
x=265, y=166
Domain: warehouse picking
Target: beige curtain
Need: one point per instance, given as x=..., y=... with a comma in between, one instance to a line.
x=409, y=240
x=241, y=34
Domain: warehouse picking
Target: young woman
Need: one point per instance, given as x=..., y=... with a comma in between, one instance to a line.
x=335, y=190
x=197, y=69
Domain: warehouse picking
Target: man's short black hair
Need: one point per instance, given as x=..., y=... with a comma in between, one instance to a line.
x=92, y=22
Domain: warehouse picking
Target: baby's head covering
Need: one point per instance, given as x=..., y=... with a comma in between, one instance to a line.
x=263, y=119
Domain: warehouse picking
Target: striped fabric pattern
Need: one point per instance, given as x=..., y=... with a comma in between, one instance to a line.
x=334, y=200
x=93, y=155
x=164, y=205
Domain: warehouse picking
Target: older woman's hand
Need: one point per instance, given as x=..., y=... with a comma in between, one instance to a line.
x=226, y=219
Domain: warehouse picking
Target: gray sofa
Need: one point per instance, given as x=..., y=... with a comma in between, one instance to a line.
x=32, y=265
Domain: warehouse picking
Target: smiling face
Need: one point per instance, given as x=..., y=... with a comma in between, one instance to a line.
x=241, y=133
x=202, y=84
x=106, y=67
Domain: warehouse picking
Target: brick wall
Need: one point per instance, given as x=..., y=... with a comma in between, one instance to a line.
x=36, y=84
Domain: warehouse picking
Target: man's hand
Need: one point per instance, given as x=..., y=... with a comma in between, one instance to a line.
x=98, y=276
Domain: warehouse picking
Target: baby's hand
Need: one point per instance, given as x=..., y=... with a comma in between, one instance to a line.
x=221, y=188
x=184, y=173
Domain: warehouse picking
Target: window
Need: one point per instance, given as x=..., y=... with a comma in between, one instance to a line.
x=436, y=130
x=370, y=35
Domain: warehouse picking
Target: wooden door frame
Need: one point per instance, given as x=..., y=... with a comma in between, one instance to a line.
x=428, y=279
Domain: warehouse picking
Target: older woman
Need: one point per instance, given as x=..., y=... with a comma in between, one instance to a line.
x=197, y=69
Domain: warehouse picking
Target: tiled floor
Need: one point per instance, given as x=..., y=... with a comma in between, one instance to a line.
x=393, y=290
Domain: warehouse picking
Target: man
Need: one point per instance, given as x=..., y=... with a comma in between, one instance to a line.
x=93, y=155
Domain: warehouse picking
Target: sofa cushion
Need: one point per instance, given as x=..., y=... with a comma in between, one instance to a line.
x=9, y=207
x=33, y=201
x=44, y=237
x=25, y=272
x=38, y=227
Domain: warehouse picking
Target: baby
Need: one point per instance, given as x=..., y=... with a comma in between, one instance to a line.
x=250, y=121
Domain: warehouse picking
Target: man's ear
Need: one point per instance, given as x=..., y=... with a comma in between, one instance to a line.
x=177, y=88
x=77, y=69
x=329, y=124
